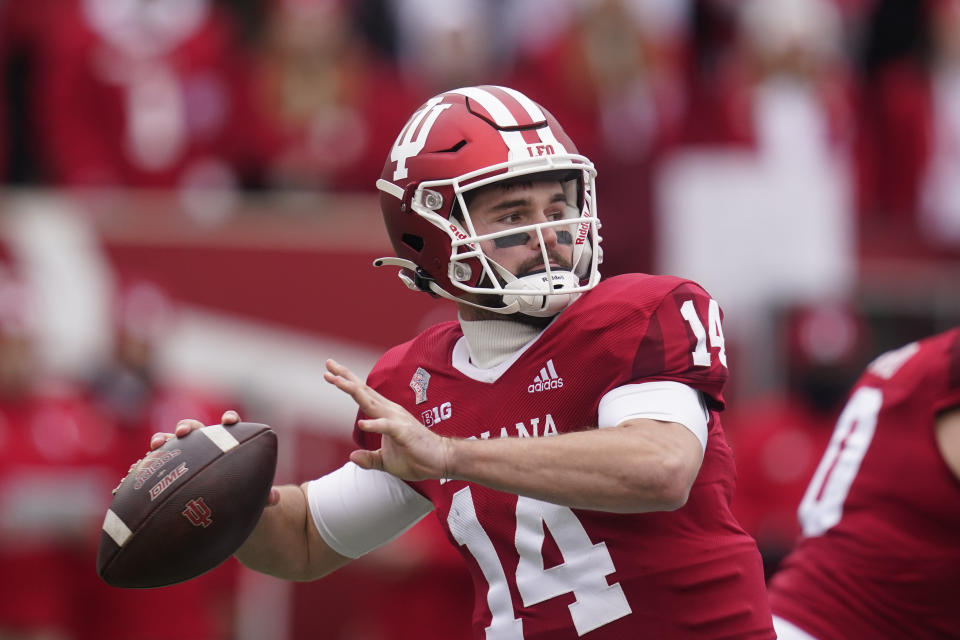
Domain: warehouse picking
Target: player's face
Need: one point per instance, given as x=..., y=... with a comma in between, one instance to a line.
x=501, y=208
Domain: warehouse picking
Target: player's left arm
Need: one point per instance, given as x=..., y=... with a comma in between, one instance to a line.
x=948, y=438
x=641, y=464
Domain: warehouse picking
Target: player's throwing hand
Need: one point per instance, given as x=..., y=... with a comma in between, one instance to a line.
x=408, y=449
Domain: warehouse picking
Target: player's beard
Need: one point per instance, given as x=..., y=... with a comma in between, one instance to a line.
x=535, y=265
x=530, y=267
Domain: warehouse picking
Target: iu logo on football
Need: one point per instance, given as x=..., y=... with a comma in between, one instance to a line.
x=198, y=513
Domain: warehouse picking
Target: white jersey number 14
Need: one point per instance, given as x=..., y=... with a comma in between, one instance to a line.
x=583, y=571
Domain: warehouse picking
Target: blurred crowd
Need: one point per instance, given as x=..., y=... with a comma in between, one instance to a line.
x=64, y=445
x=307, y=94
x=238, y=96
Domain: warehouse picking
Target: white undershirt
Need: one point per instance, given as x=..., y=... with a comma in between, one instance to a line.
x=357, y=510
x=491, y=342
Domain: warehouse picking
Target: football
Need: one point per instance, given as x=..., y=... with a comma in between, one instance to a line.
x=187, y=506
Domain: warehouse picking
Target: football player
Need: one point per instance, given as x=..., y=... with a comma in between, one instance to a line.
x=879, y=556
x=565, y=431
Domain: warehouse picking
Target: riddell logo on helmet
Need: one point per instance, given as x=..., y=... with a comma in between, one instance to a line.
x=582, y=232
x=459, y=234
x=546, y=380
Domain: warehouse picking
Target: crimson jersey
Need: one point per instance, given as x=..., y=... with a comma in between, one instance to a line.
x=881, y=518
x=546, y=571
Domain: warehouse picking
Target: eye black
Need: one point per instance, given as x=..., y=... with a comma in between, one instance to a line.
x=513, y=240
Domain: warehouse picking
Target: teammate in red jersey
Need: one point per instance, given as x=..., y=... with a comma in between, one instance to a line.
x=879, y=556
x=565, y=431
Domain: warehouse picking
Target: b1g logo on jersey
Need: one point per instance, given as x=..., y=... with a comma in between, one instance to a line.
x=432, y=416
x=546, y=380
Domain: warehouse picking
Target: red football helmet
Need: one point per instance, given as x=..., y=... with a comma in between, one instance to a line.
x=466, y=139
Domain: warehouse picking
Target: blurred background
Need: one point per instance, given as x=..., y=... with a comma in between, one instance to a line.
x=188, y=220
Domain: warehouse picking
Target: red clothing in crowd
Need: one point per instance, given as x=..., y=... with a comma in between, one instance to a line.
x=141, y=94
x=777, y=443
x=54, y=488
x=60, y=457
x=200, y=609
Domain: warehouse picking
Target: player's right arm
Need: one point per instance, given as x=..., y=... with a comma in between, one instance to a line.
x=285, y=542
x=309, y=531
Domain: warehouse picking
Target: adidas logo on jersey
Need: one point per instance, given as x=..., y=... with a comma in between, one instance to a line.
x=547, y=379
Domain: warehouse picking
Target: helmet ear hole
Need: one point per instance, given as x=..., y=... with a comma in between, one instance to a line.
x=412, y=241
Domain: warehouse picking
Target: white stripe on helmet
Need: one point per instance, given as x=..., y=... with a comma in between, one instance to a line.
x=537, y=115
x=502, y=117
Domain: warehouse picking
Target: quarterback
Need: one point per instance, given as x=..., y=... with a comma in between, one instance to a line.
x=565, y=430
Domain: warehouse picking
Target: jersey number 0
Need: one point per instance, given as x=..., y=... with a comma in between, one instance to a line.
x=822, y=504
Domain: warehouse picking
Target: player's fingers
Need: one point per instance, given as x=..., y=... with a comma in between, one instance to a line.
x=378, y=425
x=184, y=427
x=230, y=417
x=157, y=440
x=359, y=392
x=343, y=371
x=375, y=396
x=362, y=387
x=346, y=374
x=369, y=401
x=339, y=382
x=367, y=459
x=351, y=381
x=274, y=497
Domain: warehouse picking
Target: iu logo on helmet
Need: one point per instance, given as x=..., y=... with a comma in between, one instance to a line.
x=412, y=139
x=198, y=513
